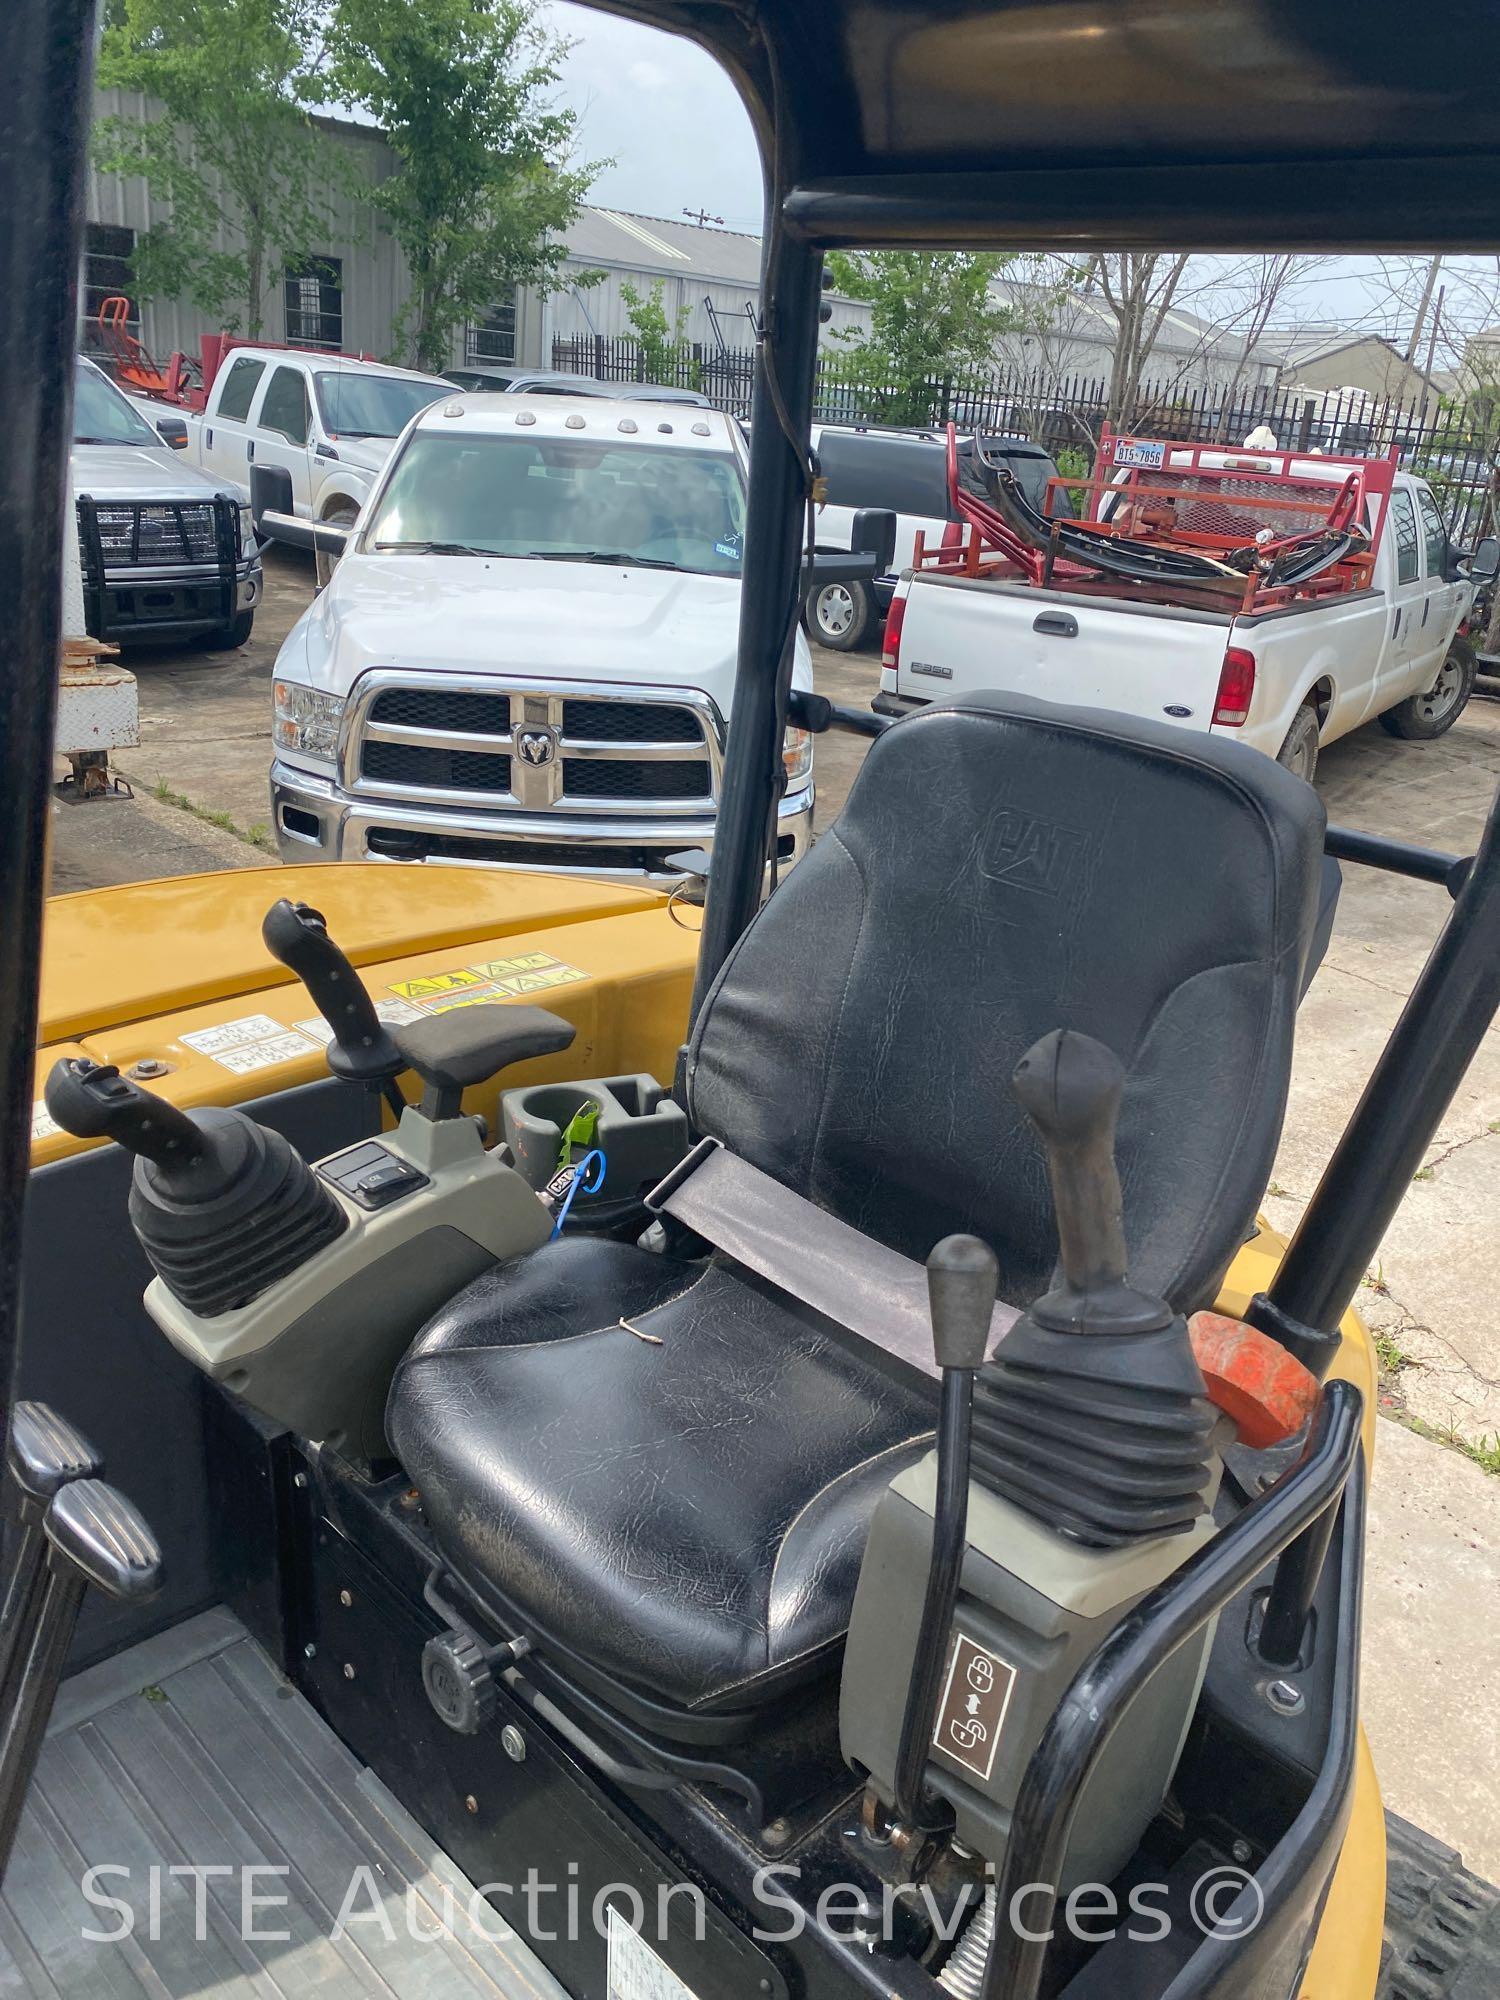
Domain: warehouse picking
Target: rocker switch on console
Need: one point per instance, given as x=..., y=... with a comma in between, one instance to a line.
x=372, y=1176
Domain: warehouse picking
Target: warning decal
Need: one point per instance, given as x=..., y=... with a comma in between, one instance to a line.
x=253, y=1042
x=43, y=1124
x=478, y=985
x=972, y=1711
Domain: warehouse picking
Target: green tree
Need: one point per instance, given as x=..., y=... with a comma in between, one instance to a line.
x=932, y=316
x=484, y=187
x=235, y=161
x=666, y=353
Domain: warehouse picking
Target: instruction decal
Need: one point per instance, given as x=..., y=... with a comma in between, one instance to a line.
x=636, y=1972
x=253, y=1042
x=395, y=1014
x=43, y=1124
x=493, y=979
x=972, y=1712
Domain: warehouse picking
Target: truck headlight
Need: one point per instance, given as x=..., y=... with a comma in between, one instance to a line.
x=797, y=756
x=247, y=532
x=306, y=721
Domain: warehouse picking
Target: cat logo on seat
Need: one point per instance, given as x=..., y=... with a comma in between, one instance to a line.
x=1027, y=852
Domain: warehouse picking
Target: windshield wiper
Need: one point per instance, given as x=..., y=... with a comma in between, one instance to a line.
x=438, y=548
x=92, y=440
x=622, y=557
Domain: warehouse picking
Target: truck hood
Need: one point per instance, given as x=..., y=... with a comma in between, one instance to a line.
x=367, y=454
x=142, y=472
x=546, y=620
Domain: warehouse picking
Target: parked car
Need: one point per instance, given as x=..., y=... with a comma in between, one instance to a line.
x=168, y=551
x=551, y=382
x=907, y=473
x=526, y=655
x=328, y=420
x=1284, y=669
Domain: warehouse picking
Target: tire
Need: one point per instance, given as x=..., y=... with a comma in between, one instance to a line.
x=229, y=636
x=840, y=615
x=342, y=515
x=1423, y=717
x=1299, y=753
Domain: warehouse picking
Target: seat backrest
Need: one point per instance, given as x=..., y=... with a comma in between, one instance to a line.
x=1004, y=867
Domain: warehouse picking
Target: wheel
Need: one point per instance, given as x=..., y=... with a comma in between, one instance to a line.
x=342, y=515
x=1299, y=753
x=840, y=615
x=1421, y=717
x=231, y=635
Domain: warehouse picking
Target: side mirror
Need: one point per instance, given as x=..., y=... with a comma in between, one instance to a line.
x=875, y=531
x=272, y=511
x=859, y=566
x=172, y=431
x=1484, y=564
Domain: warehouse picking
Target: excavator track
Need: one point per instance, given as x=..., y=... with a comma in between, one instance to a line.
x=1442, y=1924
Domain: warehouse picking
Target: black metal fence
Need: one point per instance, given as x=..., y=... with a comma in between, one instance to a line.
x=1456, y=448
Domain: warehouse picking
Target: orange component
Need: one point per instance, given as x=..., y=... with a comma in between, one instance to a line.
x=1267, y=1392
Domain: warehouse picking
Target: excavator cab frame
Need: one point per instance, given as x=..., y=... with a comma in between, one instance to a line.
x=954, y=126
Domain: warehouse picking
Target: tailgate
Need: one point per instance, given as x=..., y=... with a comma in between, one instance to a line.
x=959, y=636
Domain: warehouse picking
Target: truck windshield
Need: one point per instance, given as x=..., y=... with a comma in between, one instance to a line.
x=354, y=405
x=101, y=415
x=565, y=500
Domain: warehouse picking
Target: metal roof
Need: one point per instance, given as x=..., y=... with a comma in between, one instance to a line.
x=1249, y=124
x=666, y=249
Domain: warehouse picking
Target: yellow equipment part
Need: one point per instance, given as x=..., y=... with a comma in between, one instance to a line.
x=174, y=973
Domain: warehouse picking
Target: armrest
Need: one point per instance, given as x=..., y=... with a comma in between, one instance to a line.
x=468, y=1044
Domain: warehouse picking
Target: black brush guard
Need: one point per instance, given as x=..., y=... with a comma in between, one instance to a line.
x=221, y=570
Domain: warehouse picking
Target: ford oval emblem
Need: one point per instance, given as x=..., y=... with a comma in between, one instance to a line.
x=1176, y=708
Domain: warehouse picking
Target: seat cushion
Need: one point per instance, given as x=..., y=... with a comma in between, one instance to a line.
x=687, y=1517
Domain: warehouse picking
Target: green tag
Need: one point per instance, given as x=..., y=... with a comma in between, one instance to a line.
x=579, y=1132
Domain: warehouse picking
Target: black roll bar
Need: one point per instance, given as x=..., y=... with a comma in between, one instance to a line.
x=47, y=48
x=791, y=275
x=1101, y=1694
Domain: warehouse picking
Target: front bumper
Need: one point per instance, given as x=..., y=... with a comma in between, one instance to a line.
x=316, y=821
x=142, y=604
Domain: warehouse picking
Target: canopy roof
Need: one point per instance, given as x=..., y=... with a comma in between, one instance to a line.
x=1118, y=123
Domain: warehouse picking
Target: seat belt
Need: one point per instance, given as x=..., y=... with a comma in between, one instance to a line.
x=859, y=1284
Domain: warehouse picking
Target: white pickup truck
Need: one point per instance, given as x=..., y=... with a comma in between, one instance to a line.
x=327, y=420
x=1284, y=667
x=526, y=655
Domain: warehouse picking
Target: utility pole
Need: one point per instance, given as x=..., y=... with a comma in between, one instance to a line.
x=702, y=217
x=1427, y=289
x=1437, y=314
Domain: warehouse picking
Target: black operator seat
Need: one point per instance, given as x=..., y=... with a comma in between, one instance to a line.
x=678, y=1520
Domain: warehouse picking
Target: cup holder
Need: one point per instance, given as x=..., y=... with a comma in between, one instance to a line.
x=642, y=1132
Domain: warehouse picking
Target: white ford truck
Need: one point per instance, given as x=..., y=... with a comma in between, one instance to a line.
x=526, y=655
x=1278, y=598
x=327, y=420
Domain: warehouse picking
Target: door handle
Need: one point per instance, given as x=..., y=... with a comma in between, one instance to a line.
x=208, y=440
x=250, y=451
x=1061, y=624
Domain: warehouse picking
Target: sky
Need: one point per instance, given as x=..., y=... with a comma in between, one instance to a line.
x=672, y=123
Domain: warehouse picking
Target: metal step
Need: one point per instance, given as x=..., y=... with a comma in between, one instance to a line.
x=191, y=1750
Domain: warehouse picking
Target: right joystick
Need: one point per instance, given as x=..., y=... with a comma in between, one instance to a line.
x=1092, y=1414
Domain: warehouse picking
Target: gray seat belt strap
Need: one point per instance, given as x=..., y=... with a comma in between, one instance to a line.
x=800, y=1248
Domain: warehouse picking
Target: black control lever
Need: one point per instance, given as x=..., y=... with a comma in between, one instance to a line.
x=93, y=1101
x=43, y=1454
x=93, y=1536
x=1070, y=1087
x=961, y=1279
x=363, y=1049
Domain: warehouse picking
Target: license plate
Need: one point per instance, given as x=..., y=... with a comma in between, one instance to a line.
x=635, y=1970
x=1128, y=452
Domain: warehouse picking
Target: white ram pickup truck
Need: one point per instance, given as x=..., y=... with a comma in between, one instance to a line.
x=1284, y=642
x=327, y=420
x=526, y=655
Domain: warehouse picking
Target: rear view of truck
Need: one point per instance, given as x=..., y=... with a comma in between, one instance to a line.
x=1249, y=592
